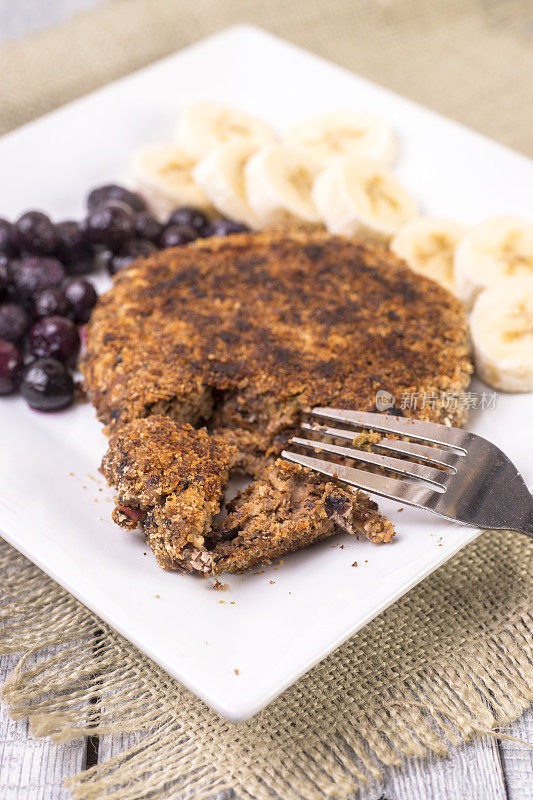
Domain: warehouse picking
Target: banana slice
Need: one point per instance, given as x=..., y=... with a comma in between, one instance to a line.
x=501, y=326
x=204, y=125
x=356, y=197
x=221, y=176
x=428, y=245
x=342, y=133
x=163, y=173
x=498, y=248
x=279, y=181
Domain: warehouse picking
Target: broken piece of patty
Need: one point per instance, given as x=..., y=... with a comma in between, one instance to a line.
x=286, y=510
x=171, y=478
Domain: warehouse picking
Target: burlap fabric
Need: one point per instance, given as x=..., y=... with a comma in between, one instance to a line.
x=469, y=59
x=454, y=658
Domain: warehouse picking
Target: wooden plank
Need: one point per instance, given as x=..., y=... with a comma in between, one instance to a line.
x=517, y=758
x=112, y=745
x=30, y=768
x=471, y=771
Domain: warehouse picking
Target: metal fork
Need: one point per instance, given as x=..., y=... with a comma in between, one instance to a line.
x=473, y=482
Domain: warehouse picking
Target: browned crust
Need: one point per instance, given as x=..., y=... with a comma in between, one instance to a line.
x=270, y=324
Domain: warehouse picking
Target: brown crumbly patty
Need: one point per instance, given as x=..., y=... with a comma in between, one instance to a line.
x=248, y=333
x=170, y=479
x=251, y=330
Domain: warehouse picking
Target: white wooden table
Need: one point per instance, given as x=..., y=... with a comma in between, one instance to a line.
x=487, y=769
x=34, y=769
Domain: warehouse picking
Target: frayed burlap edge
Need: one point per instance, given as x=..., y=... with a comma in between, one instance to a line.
x=452, y=660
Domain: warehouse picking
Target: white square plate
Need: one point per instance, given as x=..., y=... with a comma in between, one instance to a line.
x=273, y=624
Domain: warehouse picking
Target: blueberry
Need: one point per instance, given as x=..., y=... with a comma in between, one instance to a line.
x=394, y=410
x=47, y=385
x=176, y=235
x=110, y=224
x=7, y=238
x=14, y=322
x=54, y=337
x=71, y=235
x=398, y=412
x=73, y=249
x=130, y=252
x=32, y=274
x=5, y=275
x=10, y=366
x=82, y=298
x=114, y=192
x=225, y=227
x=191, y=217
x=35, y=233
x=147, y=227
x=52, y=303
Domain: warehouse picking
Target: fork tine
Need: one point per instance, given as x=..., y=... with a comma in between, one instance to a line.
x=404, y=426
x=402, y=466
x=434, y=455
x=404, y=491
